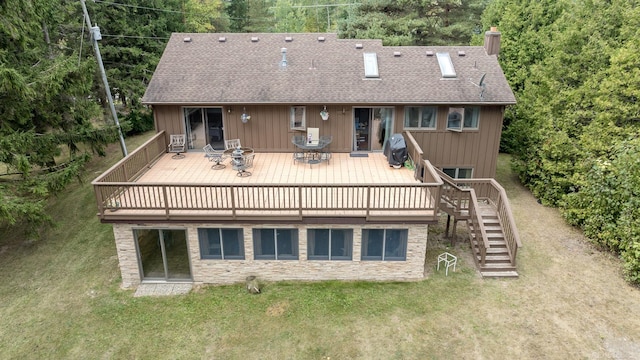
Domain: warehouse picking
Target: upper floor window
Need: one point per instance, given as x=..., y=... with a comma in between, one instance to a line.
x=298, y=119
x=329, y=244
x=275, y=244
x=420, y=117
x=221, y=243
x=384, y=244
x=460, y=118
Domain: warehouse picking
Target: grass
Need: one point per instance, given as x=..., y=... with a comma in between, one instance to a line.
x=60, y=298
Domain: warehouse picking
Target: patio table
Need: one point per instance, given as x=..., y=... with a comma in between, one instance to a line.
x=311, y=151
x=245, y=151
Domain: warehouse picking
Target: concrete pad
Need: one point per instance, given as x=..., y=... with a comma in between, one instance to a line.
x=164, y=289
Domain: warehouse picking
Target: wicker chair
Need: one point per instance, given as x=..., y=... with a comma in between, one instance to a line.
x=325, y=154
x=215, y=156
x=247, y=163
x=232, y=144
x=177, y=145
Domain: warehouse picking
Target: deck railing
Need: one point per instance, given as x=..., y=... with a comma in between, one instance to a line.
x=116, y=189
x=137, y=161
x=234, y=201
x=417, y=156
x=491, y=191
x=463, y=202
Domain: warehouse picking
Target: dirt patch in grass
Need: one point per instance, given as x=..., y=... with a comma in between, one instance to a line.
x=278, y=308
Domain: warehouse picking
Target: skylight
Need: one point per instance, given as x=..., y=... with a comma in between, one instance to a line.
x=446, y=66
x=371, y=65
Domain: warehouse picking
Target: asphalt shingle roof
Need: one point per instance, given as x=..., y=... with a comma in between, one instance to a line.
x=238, y=70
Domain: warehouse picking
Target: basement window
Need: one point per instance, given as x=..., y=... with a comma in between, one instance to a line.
x=329, y=244
x=458, y=173
x=384, y=244
x=221, y=243
x=275, y=244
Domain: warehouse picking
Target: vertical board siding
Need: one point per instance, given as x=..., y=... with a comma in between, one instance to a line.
x=476, y=149
x=268, y=131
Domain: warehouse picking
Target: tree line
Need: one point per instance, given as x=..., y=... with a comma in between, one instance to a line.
x=53, y=109
x=574, y=134
x=573, y=65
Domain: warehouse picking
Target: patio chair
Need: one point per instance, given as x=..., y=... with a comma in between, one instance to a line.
x=448, y=261
x=247, y=163
x=298, y=152
x=325, y=154
x=215, y=156
x=232, y=144
x=177, y=145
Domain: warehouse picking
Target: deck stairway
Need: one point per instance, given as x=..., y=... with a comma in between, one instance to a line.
x=497, y=260
x=483, y=206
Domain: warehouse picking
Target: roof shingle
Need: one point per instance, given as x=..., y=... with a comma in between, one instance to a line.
x=238, y=70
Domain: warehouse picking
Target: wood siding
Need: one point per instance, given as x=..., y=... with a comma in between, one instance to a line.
x=269, y=131
x=476, y=149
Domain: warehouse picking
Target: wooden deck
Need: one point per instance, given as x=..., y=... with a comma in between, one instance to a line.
x=279, y=168
x=150, y=185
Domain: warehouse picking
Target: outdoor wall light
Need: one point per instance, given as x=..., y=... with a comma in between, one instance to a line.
x=244, y=117
x=324, y=114
x=229, y=110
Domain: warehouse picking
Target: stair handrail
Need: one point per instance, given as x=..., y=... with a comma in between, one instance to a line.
x=509, y=229
x=505, y=203
x=478, y=227
x=476, y=219
x=491, y=190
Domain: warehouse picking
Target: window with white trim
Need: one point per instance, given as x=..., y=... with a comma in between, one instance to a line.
x=420, y=117
x=298, y=118
x=329, y=244
x=384, y=244
x=460, y=118
x=223, y=243
x=275, y=244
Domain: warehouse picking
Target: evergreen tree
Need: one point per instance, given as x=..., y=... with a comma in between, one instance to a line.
x=46, y=109
x=415, y=22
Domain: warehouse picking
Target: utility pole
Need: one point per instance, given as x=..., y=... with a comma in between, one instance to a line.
x=95, y=36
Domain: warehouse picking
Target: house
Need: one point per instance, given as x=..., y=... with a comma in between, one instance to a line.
x=337, y=212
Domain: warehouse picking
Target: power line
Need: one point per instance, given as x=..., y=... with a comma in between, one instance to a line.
x=157, y=9
x=319, y=5
x=139, y=7
x=136, y=37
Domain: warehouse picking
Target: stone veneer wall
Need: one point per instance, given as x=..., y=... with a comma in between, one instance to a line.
x=214, y=271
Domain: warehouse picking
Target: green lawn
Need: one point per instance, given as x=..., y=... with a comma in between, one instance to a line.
x=60, y=298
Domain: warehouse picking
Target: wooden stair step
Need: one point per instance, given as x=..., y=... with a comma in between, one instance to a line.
x=497, y=267
x=493, y=228
x=500, y=274
x=498, y=258
x=497, y=243
x=497, y=251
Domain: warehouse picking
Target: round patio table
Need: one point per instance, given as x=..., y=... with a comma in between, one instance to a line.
x=245, y=151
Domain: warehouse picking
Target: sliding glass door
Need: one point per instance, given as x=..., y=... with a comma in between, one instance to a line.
x=163, y=254
x=372, y=128
x=204, y=126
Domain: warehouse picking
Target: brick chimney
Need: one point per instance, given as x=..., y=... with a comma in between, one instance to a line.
x=492, y=41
